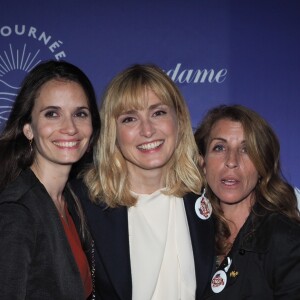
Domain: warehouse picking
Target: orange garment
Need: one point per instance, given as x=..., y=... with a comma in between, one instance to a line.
x=78, y=252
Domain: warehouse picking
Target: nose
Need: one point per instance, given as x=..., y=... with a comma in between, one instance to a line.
x=232, y=159
x=69, y=126
x=147, y=128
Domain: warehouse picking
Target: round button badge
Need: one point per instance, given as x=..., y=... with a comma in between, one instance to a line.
x=219, y=281
x=203, y=208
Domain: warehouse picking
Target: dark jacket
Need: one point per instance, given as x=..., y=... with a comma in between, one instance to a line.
x=265, y=261
x=109, y=229
x=36, y=261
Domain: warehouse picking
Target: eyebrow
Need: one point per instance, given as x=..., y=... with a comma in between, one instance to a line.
x=59, y=108
x=218, y=139
x=223, y=140
x=151, y=107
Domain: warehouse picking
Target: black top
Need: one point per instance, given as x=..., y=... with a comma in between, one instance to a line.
x=36, y=261
x=264, y=262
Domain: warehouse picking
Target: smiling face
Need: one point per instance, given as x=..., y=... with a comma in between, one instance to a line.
x=229, y=170
x=147, y=137
x=61, y=124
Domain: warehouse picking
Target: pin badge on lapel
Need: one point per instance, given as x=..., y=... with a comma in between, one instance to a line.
x=219, y=281
x=203, y=207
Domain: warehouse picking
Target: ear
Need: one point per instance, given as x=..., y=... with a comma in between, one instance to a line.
x=202, y=163
x=27, y=130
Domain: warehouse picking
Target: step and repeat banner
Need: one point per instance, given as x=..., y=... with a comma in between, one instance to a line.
x=217, y=51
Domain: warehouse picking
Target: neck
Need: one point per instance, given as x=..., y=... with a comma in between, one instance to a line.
x=236, y=216
x=146, y=182
x=53, y=181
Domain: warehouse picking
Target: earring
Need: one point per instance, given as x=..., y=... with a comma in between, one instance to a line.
x=203, y=207
x=30, y=145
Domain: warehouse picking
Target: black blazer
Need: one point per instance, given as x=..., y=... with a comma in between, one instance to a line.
x=265, y=261
x=36, y=261
x=109, y=229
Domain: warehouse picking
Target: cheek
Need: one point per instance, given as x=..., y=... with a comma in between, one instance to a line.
x=122, y=139
x=254, y=176
x=42, y=130
x=88, y=130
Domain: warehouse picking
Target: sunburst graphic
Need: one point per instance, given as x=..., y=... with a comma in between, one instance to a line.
x=14, y=64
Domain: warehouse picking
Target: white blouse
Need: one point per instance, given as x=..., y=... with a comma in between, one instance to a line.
x=161, y=254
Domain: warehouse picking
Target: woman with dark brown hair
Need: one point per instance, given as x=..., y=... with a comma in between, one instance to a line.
x=54, y=121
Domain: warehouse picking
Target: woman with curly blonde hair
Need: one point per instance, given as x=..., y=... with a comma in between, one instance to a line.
x=143, y=185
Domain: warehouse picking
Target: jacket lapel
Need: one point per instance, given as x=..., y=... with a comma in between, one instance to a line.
x=202, y=237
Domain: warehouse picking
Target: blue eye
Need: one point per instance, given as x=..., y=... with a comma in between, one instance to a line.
x=218, y=148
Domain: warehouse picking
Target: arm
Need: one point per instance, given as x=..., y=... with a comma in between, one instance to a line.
x=286, y=263
x=16, y=250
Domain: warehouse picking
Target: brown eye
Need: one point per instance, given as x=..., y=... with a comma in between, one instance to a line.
x=127, y=120
x=82, y=114
x=160, y=113
x=51, y=114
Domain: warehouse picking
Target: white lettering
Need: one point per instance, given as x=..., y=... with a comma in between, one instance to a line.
x=19, y=32
x=54, y=46
x=221, y=75
x=6, y=31
x=32, y=32
x=44, y=38
x=60, y=55
x=197, y=76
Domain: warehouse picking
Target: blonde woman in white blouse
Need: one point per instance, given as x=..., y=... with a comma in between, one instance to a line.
x=140, y=194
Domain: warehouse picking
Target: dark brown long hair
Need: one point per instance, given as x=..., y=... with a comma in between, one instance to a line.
x=15, y=151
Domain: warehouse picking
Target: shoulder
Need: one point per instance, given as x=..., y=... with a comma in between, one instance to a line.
x=273, y=231
x=278, y=225
x=282, y=229
x=91, y=208
x=17, y=190
x=17, y=220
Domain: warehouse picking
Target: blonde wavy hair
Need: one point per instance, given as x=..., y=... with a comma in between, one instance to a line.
x=108, y=179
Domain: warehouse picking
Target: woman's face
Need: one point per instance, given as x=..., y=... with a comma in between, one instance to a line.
x=147, y=138
x=229, y=170
x=61, y=124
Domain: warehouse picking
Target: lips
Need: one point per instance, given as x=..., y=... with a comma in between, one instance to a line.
x=150, y=146
x=229, y=182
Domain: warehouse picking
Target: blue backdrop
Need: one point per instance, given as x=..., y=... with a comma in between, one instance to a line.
x=216, y=51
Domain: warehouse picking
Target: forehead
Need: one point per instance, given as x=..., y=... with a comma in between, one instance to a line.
x=61, y=92
x=226, y=127
x=139, y=100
